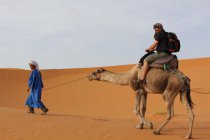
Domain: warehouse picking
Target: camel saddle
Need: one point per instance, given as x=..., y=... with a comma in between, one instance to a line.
x=170, y=61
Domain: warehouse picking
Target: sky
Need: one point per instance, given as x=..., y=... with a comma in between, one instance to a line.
x=94, y=33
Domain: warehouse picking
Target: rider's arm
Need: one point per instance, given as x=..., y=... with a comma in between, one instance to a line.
x=153, y=46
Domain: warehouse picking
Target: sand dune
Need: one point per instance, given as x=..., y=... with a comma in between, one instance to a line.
x=96, y=110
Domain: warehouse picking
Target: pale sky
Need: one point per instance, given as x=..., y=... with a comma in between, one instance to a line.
x=89, y=33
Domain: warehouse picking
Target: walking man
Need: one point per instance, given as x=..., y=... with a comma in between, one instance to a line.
x=35, y=86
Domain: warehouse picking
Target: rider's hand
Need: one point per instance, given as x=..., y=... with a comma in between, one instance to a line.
x=147, y=50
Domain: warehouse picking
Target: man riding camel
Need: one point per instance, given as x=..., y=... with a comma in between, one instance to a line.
x=160, y=45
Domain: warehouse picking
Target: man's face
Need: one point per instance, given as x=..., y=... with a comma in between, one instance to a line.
x=32, y=66
x=157, y=30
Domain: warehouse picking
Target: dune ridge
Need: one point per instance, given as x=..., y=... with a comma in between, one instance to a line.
x=96, y=110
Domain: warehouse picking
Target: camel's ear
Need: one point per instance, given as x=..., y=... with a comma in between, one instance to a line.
x=100, y=70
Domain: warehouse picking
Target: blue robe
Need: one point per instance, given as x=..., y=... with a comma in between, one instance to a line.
x=36, y=85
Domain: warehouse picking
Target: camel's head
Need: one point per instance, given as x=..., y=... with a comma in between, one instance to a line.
x=96, y=75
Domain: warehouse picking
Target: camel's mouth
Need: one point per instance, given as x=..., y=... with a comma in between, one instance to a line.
x=93, y=76
x=89, y=78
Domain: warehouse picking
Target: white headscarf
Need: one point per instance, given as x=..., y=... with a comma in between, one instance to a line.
x=34, y=63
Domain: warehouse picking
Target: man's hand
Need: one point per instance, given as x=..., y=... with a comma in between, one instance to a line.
x=149, y=50
x=152, y=47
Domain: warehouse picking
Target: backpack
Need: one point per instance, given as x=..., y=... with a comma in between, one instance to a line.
x=173, y=43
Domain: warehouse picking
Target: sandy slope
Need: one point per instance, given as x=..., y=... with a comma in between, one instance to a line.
x=96, y=110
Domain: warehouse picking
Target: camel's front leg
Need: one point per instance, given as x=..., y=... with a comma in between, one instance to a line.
x=143, y=111
x=138, y=96
x=140, y=102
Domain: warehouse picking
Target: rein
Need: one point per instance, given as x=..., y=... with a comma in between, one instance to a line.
x=68, y=82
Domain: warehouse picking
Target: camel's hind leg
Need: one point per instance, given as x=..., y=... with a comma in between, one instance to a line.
x=188, y=106
x=170, y=114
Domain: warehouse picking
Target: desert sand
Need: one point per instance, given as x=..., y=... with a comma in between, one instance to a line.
x=96, y=110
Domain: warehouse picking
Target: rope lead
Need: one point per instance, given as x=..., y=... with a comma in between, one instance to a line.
x=180, y=76
x=68, y=82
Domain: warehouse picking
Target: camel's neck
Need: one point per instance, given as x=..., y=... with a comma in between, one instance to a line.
x=117, y=78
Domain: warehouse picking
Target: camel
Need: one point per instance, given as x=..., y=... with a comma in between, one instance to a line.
x=158, y=81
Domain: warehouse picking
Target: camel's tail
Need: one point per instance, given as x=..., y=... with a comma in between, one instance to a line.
x=185, y=93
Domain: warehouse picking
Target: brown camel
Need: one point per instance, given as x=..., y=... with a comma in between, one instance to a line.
x=158, y=81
